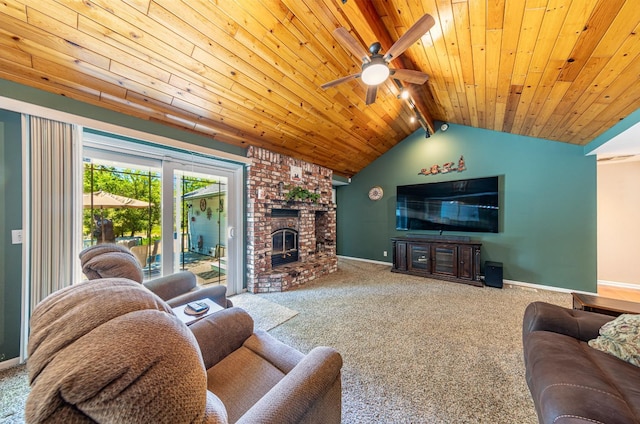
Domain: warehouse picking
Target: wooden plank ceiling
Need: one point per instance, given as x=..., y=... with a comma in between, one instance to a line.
x=248, y=72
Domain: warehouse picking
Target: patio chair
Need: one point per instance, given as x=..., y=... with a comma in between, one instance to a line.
x=141, y=253
x=221, y=251
x=126, y=243
x=147, y=255
x=156, y=253
x=115, y=261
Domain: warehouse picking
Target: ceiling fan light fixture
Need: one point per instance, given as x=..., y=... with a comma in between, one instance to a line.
x=375, y=72
x=375, y=67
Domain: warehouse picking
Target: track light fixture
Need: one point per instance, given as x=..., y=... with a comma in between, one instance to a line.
x=405, y=94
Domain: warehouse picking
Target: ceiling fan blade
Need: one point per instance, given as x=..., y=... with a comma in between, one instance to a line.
x=418, y=29
x=346, y=39
x=410, y=76
x=372, y=92
x=339, y=81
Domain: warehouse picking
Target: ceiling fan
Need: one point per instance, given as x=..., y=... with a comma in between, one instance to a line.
x=375, y=67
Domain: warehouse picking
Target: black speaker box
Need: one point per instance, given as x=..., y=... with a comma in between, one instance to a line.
x=493, y=274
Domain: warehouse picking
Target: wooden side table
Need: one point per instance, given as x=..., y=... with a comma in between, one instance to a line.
x=604, y=305
x=190, y=319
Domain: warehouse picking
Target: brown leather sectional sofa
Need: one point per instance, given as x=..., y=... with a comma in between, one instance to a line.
x=571, y=382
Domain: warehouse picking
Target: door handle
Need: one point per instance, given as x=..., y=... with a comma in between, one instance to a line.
x=231, y=232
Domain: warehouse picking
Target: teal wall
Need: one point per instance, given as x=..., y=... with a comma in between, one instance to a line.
x=548, y=202
x=10, y=219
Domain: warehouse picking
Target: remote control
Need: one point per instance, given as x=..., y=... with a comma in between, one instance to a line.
x=198, y=306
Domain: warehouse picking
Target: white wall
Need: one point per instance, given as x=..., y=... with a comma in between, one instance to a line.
x=619, y=222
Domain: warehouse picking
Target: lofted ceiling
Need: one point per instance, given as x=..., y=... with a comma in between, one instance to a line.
x=248, y=72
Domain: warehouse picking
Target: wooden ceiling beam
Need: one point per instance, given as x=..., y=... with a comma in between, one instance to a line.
x=372, y=17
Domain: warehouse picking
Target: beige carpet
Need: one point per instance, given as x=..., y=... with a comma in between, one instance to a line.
x=417, y=350
x=14, y=387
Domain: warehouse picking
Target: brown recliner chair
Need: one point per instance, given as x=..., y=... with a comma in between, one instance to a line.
x=110, y=351
x=115, y=261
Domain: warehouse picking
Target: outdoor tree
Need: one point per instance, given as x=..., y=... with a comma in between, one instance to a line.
x=135, y=184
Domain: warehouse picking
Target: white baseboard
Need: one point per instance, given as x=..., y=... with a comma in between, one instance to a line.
x=9, y=363
x=629, y=286
x=543, y=287
x=521, y=284
x=365, y=260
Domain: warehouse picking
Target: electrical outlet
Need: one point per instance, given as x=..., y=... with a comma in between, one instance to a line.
x=384, y=253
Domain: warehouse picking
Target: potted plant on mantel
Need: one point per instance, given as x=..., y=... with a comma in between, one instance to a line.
x=297, y=193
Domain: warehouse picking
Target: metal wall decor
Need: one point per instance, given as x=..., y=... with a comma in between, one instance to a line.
x=445, y=168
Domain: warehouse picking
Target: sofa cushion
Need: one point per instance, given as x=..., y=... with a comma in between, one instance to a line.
x=571, y=382
x=108, y=261
x=87, y=305
x=241, y=379
x=253, y=370
x=620, y=338
x=582, y=325
x=108, y=351
x=134, y=377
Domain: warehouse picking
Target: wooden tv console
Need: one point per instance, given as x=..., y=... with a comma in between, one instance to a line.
x=443, y=259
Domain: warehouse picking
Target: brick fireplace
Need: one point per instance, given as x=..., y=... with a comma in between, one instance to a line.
x=289, y=243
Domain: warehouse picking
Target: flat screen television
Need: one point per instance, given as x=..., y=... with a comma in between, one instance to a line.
x=469, y=205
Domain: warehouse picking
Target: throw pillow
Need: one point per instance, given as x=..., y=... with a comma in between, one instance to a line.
x=620, y=338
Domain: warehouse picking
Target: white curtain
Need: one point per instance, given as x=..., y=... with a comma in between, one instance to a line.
x=54, y=206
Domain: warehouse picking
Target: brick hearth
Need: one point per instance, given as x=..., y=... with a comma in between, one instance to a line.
x=316, y=222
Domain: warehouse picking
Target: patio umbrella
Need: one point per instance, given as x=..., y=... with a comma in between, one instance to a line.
x=105, y=200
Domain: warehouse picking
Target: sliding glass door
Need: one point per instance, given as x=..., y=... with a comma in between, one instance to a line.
x=176, y=212
x=201, y=222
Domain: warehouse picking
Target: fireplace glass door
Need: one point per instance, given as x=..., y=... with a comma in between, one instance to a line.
x=285, y=247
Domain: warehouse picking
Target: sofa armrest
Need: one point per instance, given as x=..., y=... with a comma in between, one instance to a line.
x=170, y=286
x=217, y=294
x=221, y=333
x=581, y=325
x=280, y=355
x=295, y=396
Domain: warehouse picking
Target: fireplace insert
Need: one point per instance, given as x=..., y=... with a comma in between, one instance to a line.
x=285, y=247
